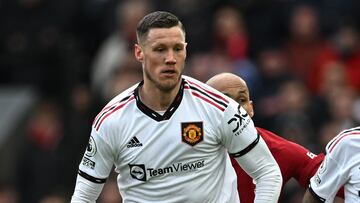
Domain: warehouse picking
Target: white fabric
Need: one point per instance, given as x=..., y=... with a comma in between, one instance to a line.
x=341, y=166
x=154, y=162
x=264, y=171
x=86, y=191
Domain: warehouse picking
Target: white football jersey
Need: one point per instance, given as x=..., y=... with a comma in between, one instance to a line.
x=341, y=167
x=180, y=156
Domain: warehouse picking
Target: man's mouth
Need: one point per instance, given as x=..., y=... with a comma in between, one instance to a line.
x=168, y=72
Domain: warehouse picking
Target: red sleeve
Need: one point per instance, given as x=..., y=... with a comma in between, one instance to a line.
x=294, y=160
x=309, y=168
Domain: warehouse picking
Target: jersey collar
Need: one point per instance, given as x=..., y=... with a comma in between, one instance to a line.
x=153, y=114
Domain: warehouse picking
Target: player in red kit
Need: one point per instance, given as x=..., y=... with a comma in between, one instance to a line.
x=294, y=160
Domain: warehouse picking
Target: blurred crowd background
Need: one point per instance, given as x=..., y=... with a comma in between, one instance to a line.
x=62, y=61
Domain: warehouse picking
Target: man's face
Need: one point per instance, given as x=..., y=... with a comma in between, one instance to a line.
x=240, y=94
x=162, y=54
x=234, y=87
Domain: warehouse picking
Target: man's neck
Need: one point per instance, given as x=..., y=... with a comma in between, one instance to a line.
x=157, y=99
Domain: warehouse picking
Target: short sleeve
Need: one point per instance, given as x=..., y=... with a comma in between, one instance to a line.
x=238, y=133
x=98, y=160
x=329, y=178
x=311, y=165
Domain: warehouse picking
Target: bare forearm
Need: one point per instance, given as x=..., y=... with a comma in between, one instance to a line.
x=309, y=198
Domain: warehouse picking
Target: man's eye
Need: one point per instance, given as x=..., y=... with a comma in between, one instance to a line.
x=178, y=48
x=159, y=49
x=242, y=100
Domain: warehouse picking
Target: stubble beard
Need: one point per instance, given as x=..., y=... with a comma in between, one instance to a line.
x=165, y=86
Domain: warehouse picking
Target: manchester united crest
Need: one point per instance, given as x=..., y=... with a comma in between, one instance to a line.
x=192, y=132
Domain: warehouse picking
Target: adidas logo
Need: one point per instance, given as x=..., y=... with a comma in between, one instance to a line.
x=134, y=142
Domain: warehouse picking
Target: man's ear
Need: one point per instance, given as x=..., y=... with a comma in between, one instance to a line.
x=251, y=108
x=185, y=49
x=139, y=55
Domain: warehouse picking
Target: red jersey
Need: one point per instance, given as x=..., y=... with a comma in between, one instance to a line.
x=294, y=161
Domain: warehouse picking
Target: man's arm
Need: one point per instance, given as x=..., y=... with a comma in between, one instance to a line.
x=309, y=197
x=259, y=164
x=93, y=169
x=295, y=161
x=86, y=191
x=244, y=144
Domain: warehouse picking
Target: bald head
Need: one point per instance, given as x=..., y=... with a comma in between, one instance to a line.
x=234, y=87
x=226, y=81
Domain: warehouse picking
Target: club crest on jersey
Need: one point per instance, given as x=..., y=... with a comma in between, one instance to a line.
x=192, y=132
x=91, y=148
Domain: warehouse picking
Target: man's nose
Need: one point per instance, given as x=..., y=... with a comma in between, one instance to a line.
x=170, y=57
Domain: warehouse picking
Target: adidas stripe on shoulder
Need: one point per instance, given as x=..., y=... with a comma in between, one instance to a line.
x=206, y=94
x=342, y=136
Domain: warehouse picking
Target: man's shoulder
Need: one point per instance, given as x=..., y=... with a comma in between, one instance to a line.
x=205, y=94
x=345, y=140
x=282, y=147
x=270, y=137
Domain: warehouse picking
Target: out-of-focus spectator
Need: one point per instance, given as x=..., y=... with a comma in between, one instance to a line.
x=305, y=42
x=123, y=79
x=292, y=121
x=53, y=198
x=35, y=47
x=335, y=91
x=333, y=78
x=204, y=66
x=230, y=36
x=344, y=47
x=39, y=163
x=341, y=105
x=116, y=49
x=265, y=23
x=8, y=194
x=273, y=73
x=231, y=40
x=197, y=16
x=327, y=132
x=78, y=115
x=228, y=51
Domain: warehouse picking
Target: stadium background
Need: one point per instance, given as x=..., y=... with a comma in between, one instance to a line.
x=61, y=61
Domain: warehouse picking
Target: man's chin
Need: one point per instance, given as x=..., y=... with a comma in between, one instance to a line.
x=169, y=85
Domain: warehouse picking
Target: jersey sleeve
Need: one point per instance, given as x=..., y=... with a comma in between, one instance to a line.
x=240, y=137
x=238, y=131
x=311, y=164
x=295, y=161
x=330, y=176
x=94, y=167
x=98, y=158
